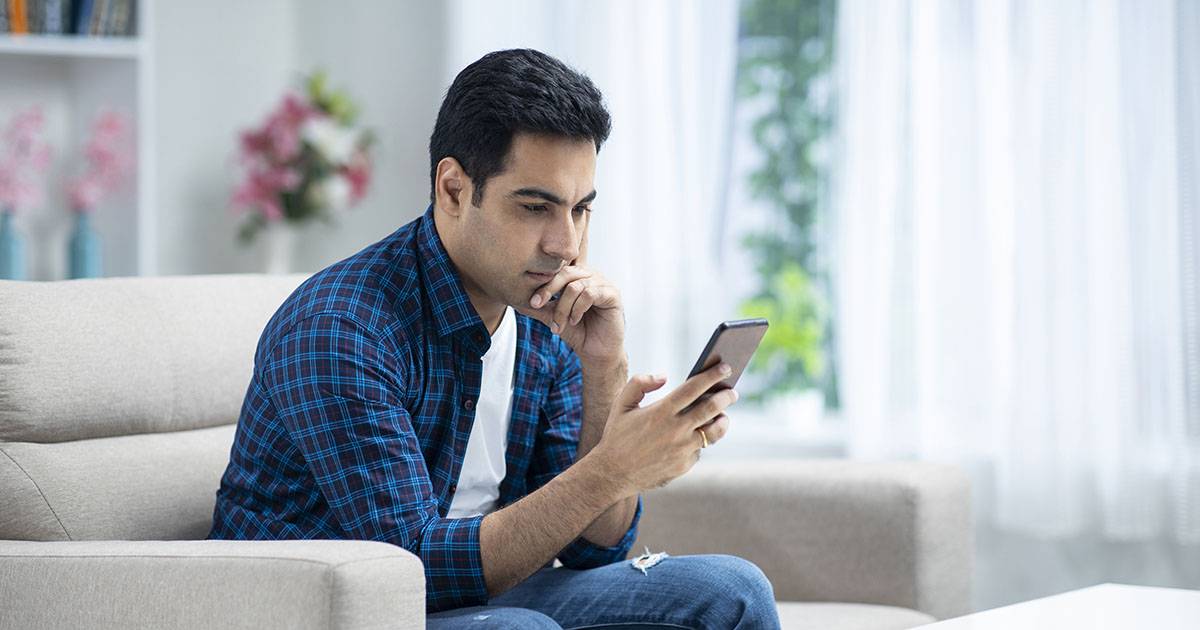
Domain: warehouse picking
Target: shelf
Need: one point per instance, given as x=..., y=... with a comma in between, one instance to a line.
x=71, y=46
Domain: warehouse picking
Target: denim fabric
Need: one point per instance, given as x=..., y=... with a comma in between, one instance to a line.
x=708, y=592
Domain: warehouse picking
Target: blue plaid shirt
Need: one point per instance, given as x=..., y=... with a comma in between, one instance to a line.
x=361, y=402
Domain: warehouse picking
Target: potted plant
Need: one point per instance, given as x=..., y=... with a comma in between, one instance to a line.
x=107, y=158
x=307, y=161
x=22, y=158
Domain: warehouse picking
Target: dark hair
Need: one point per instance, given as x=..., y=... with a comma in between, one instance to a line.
x=511, y=91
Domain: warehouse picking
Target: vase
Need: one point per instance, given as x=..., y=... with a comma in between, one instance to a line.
x=279, y=247
x=86, y=257
x=12, y=249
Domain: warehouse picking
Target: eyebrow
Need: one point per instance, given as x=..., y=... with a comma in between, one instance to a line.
x=546, y=195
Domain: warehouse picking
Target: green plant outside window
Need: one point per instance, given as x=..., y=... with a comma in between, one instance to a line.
x=784, y=76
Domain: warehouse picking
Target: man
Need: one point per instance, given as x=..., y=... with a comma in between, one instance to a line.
x=459, y=389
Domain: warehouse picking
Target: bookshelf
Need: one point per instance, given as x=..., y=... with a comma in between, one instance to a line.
x=71, y=46
x=73, y=78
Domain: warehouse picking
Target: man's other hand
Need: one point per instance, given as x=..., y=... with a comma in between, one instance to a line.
x=646, y=447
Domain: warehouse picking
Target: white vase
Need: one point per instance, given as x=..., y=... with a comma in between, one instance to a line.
x=279, y=247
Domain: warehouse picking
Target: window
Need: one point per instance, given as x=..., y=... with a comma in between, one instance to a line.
x=785, y=114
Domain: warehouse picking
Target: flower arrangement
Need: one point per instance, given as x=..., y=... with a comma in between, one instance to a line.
x=305, y=162
x=107, y=157
x=22, y=158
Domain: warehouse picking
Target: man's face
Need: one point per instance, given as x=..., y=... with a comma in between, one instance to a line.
x=530, y=222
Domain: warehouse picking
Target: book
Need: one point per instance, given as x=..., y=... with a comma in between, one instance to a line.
x=55, y=16
x=117, y=19
x=96, y=19
x=33, y=16
x=17, y=17
x=81, y=16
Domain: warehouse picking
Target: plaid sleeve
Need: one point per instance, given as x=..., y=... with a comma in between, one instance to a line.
x=555, y=450
x=335, y=388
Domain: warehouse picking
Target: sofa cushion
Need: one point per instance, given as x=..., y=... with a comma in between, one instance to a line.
x=138, y=487
x=888, y=533
x=117, y=356
x=294, y=584
x=837, y=616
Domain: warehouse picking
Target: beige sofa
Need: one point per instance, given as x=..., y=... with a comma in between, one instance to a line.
x=118, y=399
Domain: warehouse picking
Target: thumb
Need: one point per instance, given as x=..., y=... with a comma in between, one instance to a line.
x=544, y=314
x=637, y=388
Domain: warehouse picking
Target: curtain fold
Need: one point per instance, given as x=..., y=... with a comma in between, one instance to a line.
x=1017, y=266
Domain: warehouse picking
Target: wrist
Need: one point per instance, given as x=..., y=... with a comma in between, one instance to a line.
x=606, y=476
x=612, y=365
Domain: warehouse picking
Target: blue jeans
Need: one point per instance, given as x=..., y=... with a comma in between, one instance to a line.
x=691, y=592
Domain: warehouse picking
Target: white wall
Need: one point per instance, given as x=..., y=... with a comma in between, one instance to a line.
x=387, y=54
x=222, y=65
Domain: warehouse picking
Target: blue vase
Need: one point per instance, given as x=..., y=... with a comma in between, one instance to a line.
x=86, y=250
x=12, y=250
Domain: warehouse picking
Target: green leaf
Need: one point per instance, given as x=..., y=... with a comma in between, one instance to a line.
x=786, y=48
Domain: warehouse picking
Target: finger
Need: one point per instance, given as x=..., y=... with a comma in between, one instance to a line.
x=638, y=386
x=708, y=409
x=716, y=428
x=543, y=315
x=691, y=389
x=541, y=298
x=566, y=302
x=585, y=302
x=545, y=312
x=604, y=293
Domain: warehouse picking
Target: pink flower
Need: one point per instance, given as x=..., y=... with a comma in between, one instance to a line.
x=262, y=190
x=253, y=145
x=108, y=158
x=277, y=141
x=288, y=172
x=21, y=158
x=358, y=173
x=85, y=193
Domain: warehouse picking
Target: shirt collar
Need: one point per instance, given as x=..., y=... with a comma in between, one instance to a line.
x=452, y=308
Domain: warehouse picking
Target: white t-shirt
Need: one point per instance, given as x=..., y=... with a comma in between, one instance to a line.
x=483, y=464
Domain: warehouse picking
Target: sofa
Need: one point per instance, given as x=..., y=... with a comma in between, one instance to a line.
x=118, y=403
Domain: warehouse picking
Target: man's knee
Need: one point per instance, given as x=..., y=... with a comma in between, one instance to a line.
x=740, y=576
x=491, y=618
x=748, y=594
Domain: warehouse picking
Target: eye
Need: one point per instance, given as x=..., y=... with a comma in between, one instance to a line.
x=535, y=208
x=582, y=209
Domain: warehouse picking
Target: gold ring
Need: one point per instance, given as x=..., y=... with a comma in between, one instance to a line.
x=703, y=436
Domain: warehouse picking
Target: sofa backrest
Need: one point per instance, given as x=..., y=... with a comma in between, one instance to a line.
x=118, y=400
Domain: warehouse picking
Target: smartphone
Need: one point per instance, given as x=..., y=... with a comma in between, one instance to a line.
x=733, y=342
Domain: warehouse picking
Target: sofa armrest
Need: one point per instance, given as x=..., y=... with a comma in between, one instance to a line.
x=894, y=533
x=318, y=584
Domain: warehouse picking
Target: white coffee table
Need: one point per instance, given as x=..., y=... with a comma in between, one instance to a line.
x=1102, y=607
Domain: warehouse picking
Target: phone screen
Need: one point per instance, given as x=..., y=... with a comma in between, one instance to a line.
x=733, y=342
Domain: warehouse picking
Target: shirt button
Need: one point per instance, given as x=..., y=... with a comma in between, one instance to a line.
x=469, y=404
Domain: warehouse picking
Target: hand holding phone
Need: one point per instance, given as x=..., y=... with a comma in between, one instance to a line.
x=733, y=342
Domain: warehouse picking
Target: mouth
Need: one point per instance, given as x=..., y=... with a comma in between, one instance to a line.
x=541, y=277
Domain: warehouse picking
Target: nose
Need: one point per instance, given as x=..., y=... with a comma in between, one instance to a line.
x=562, y=238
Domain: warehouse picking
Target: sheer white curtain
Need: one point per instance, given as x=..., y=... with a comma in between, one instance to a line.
x=1017, y=262
x=666, y=70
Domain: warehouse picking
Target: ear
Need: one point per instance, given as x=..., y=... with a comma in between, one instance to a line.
x=452, y=188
